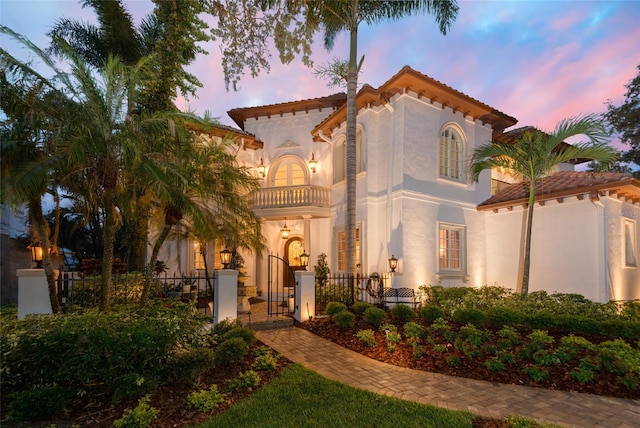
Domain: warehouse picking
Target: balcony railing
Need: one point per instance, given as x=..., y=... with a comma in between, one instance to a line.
x=292, y=196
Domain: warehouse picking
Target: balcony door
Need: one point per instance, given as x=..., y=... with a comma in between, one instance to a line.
x=289, y=171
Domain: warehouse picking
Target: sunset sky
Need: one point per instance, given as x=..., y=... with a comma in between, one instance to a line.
x=539, y=61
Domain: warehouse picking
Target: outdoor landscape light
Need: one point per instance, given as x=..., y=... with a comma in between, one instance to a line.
x=261, y=168
x=393, y=263
x=304, y=260
x=285, y=230
x=36, y=255
x=225, y=258
x=313, y=163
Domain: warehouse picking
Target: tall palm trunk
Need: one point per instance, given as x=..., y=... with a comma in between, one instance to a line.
x=148, y=273
x=41, y=229
x=352, y=84
x=109, y=239
x=527, y=245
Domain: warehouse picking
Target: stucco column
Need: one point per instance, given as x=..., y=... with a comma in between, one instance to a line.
x=307, y=232
x=33, y=292
x=305, y=301
x=225, y=295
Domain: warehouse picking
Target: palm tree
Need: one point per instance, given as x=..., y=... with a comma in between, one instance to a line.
x=346, y=15
x=206, y=192
x=535, y=153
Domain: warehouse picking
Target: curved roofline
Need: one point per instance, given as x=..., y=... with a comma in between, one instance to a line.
x=408, y=79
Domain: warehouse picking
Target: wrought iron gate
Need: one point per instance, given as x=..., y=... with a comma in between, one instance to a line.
x=281, y=287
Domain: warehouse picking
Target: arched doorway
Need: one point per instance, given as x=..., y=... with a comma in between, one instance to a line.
x=293, y=248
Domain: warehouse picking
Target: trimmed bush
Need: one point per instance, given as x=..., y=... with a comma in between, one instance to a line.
x=334, y=308
x=40, y=402
x=367, y=337
x=414, y=331
x=499, y=316
x=344, y=319
x=189, y=365
x=470, y=316
x=360, y=307
x=430, y=313
x=230, y=351
x=374, y=316
x=403, y=313
x=244, y=333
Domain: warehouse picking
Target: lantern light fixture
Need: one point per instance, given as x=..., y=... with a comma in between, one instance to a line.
x=225, y=258
x=393, y=263
x=36, y=255
x=285, y=230
x=262, y=168
x=313, y=163
x=304, y=260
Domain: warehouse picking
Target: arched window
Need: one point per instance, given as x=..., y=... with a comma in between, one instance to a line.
x=289, y=171
x=451, y=153
x=340, y=160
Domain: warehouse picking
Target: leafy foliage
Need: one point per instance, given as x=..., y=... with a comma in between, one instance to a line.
x=142, y=416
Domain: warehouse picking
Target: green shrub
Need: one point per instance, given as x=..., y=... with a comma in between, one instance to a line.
x=142, y=416
x=131, y=385
x=245, y=380
x=344, y=319
x=206, y=400
x=500, y=316
x=545, y=357
x=414, y=331
x=39, y=402
x=367, y=337
x=225, y=325
x=469, y=316
x=188, y=365
x=494, y=364
x=111, y=351
x=393, y=338
x=334, y=308
x=430, y=313
x=630, y=381
x=403, y=313
x=454, y=360
x=245, y=333
x=265, y=362
x=617, y=355
x=582, y=375
x=359, y=307
x=473, y=335
x=535, y=372
x=506, y=357
x=577, y=342
x=374, y=316
x=538, y=340
x=230, y=351
x=510, y=335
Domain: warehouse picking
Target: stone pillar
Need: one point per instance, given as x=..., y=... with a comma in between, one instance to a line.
x=225, y=295
x=305, y=301
x=33, y=292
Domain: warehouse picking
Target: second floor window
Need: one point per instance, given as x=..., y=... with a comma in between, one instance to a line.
x=289, y=173
x=340, y=160
x=451, y=154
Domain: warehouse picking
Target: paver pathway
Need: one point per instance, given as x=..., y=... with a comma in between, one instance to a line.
x=482, y=398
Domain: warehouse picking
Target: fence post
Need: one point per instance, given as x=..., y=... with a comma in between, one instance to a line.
x=305, y=295
x=33, y=292
x=225, y=296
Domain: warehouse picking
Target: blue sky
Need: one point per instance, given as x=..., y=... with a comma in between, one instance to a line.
x=539, y=61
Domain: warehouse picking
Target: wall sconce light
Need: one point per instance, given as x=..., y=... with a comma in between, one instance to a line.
x=225, y=258
x=261, y=168
x=36, y=255
x=313, y=163
x=285, y=230
x=393, y=263
x=304, y=260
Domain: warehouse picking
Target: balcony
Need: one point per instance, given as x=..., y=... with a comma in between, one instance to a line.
x=292, y=201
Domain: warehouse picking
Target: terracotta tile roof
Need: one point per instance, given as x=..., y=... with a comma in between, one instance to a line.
x=564, y=184
x=511, y=136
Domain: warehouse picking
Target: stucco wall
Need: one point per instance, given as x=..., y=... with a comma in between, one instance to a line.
x=566, y=248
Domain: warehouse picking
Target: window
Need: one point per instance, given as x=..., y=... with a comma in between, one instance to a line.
x=289, y=173
x=340, y=160
x=630, y=244
x=451, y=248
x=451, y=150
x=342, y=249
x=198, y=259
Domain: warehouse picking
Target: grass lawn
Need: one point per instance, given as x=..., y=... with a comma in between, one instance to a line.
x=302, y=398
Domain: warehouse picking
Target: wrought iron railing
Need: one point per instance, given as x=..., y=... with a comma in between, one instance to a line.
x=348, y=289
x=291, y=196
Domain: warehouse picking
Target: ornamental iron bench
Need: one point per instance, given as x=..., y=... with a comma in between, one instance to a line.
x=403, y=295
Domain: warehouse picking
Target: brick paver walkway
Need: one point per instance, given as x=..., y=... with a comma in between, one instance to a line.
x=485, y=399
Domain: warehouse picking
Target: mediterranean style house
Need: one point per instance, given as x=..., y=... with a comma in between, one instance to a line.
x=415, y=202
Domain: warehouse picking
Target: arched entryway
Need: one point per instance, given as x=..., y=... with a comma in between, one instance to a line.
x=293, y=248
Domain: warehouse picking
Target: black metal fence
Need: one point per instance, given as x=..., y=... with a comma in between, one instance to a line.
x=78, y=289
x=349, y=289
